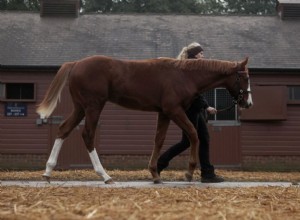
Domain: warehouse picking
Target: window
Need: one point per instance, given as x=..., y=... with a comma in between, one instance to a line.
x=220, y=99
x=294, y=93
x=17, y=91
x=2, y=90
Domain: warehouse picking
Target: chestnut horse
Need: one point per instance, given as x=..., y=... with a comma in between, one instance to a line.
x=164, y=85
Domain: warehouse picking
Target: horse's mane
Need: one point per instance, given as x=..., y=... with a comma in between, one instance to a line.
x=205, y=64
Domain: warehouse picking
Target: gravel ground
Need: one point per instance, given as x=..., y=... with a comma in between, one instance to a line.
x=244, y=195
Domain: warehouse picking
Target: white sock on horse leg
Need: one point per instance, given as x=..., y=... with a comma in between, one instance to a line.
x=51, y=163
x=98, y=166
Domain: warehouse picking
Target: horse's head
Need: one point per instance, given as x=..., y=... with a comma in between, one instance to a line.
x=239, y=85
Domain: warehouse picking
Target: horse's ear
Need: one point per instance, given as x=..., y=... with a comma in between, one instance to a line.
x=244, y=63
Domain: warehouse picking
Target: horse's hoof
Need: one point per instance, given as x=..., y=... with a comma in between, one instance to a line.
x=47, y=178
x=188, y=177
x=109, y=181
x=157, y=181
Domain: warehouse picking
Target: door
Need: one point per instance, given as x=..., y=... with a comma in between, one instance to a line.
x=225, y=144
x=224, y=129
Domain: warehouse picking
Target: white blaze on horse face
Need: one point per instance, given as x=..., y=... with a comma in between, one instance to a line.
x=98, y=166
x=51, y=163
x=249, y=100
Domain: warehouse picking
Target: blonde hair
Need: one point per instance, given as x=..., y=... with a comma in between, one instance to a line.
x=184, y=52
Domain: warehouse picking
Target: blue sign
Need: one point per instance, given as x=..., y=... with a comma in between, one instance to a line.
x=15, y=109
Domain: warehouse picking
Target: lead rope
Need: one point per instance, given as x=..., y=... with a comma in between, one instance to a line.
x=234, y=101
x=227, y=108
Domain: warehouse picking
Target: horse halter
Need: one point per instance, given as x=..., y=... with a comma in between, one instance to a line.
x=240, y=95
x=241, y=91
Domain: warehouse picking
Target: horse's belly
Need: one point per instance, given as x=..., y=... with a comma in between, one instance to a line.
x=135, y=104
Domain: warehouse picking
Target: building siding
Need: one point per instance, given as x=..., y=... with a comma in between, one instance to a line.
x=128, y=131
x=273, y=137
x=21, y=134
x=131, y=133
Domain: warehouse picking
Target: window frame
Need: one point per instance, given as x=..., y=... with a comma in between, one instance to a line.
x=292, y=101
x=215, y=120
x=3, y=92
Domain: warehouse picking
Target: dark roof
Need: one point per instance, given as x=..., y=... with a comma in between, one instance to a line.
x=28, y=39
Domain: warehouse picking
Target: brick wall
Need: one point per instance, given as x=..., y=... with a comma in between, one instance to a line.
x=22, y=161
x=271, y=163
x=124, y=162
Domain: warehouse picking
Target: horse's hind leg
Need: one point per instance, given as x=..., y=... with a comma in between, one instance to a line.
x=91, y=120
x=161, y=130
x=64, y=130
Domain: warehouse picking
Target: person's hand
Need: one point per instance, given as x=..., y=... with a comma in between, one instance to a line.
x=211, y=110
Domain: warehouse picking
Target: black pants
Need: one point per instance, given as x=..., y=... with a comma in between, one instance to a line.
x=199, y=121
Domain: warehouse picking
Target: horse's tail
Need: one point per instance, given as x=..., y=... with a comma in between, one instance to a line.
x=47, y=106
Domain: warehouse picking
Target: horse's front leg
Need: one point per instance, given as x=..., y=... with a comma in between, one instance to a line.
x=186, y=125
x=161, y=130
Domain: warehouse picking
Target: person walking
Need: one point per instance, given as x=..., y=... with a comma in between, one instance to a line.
x=197, y=114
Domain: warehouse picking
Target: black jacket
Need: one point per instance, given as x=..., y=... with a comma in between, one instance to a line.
x=198, y=105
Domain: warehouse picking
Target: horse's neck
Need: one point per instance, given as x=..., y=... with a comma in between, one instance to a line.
x=208, y=80
x=207, y=74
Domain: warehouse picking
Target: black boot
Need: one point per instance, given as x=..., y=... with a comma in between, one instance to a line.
x=212, y=179
x=208, y=176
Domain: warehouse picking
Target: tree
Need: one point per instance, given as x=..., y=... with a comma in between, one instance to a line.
x=100, y=6
x=252, y=7
x=20, y=5
x=3, y=4
x=259, y=7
